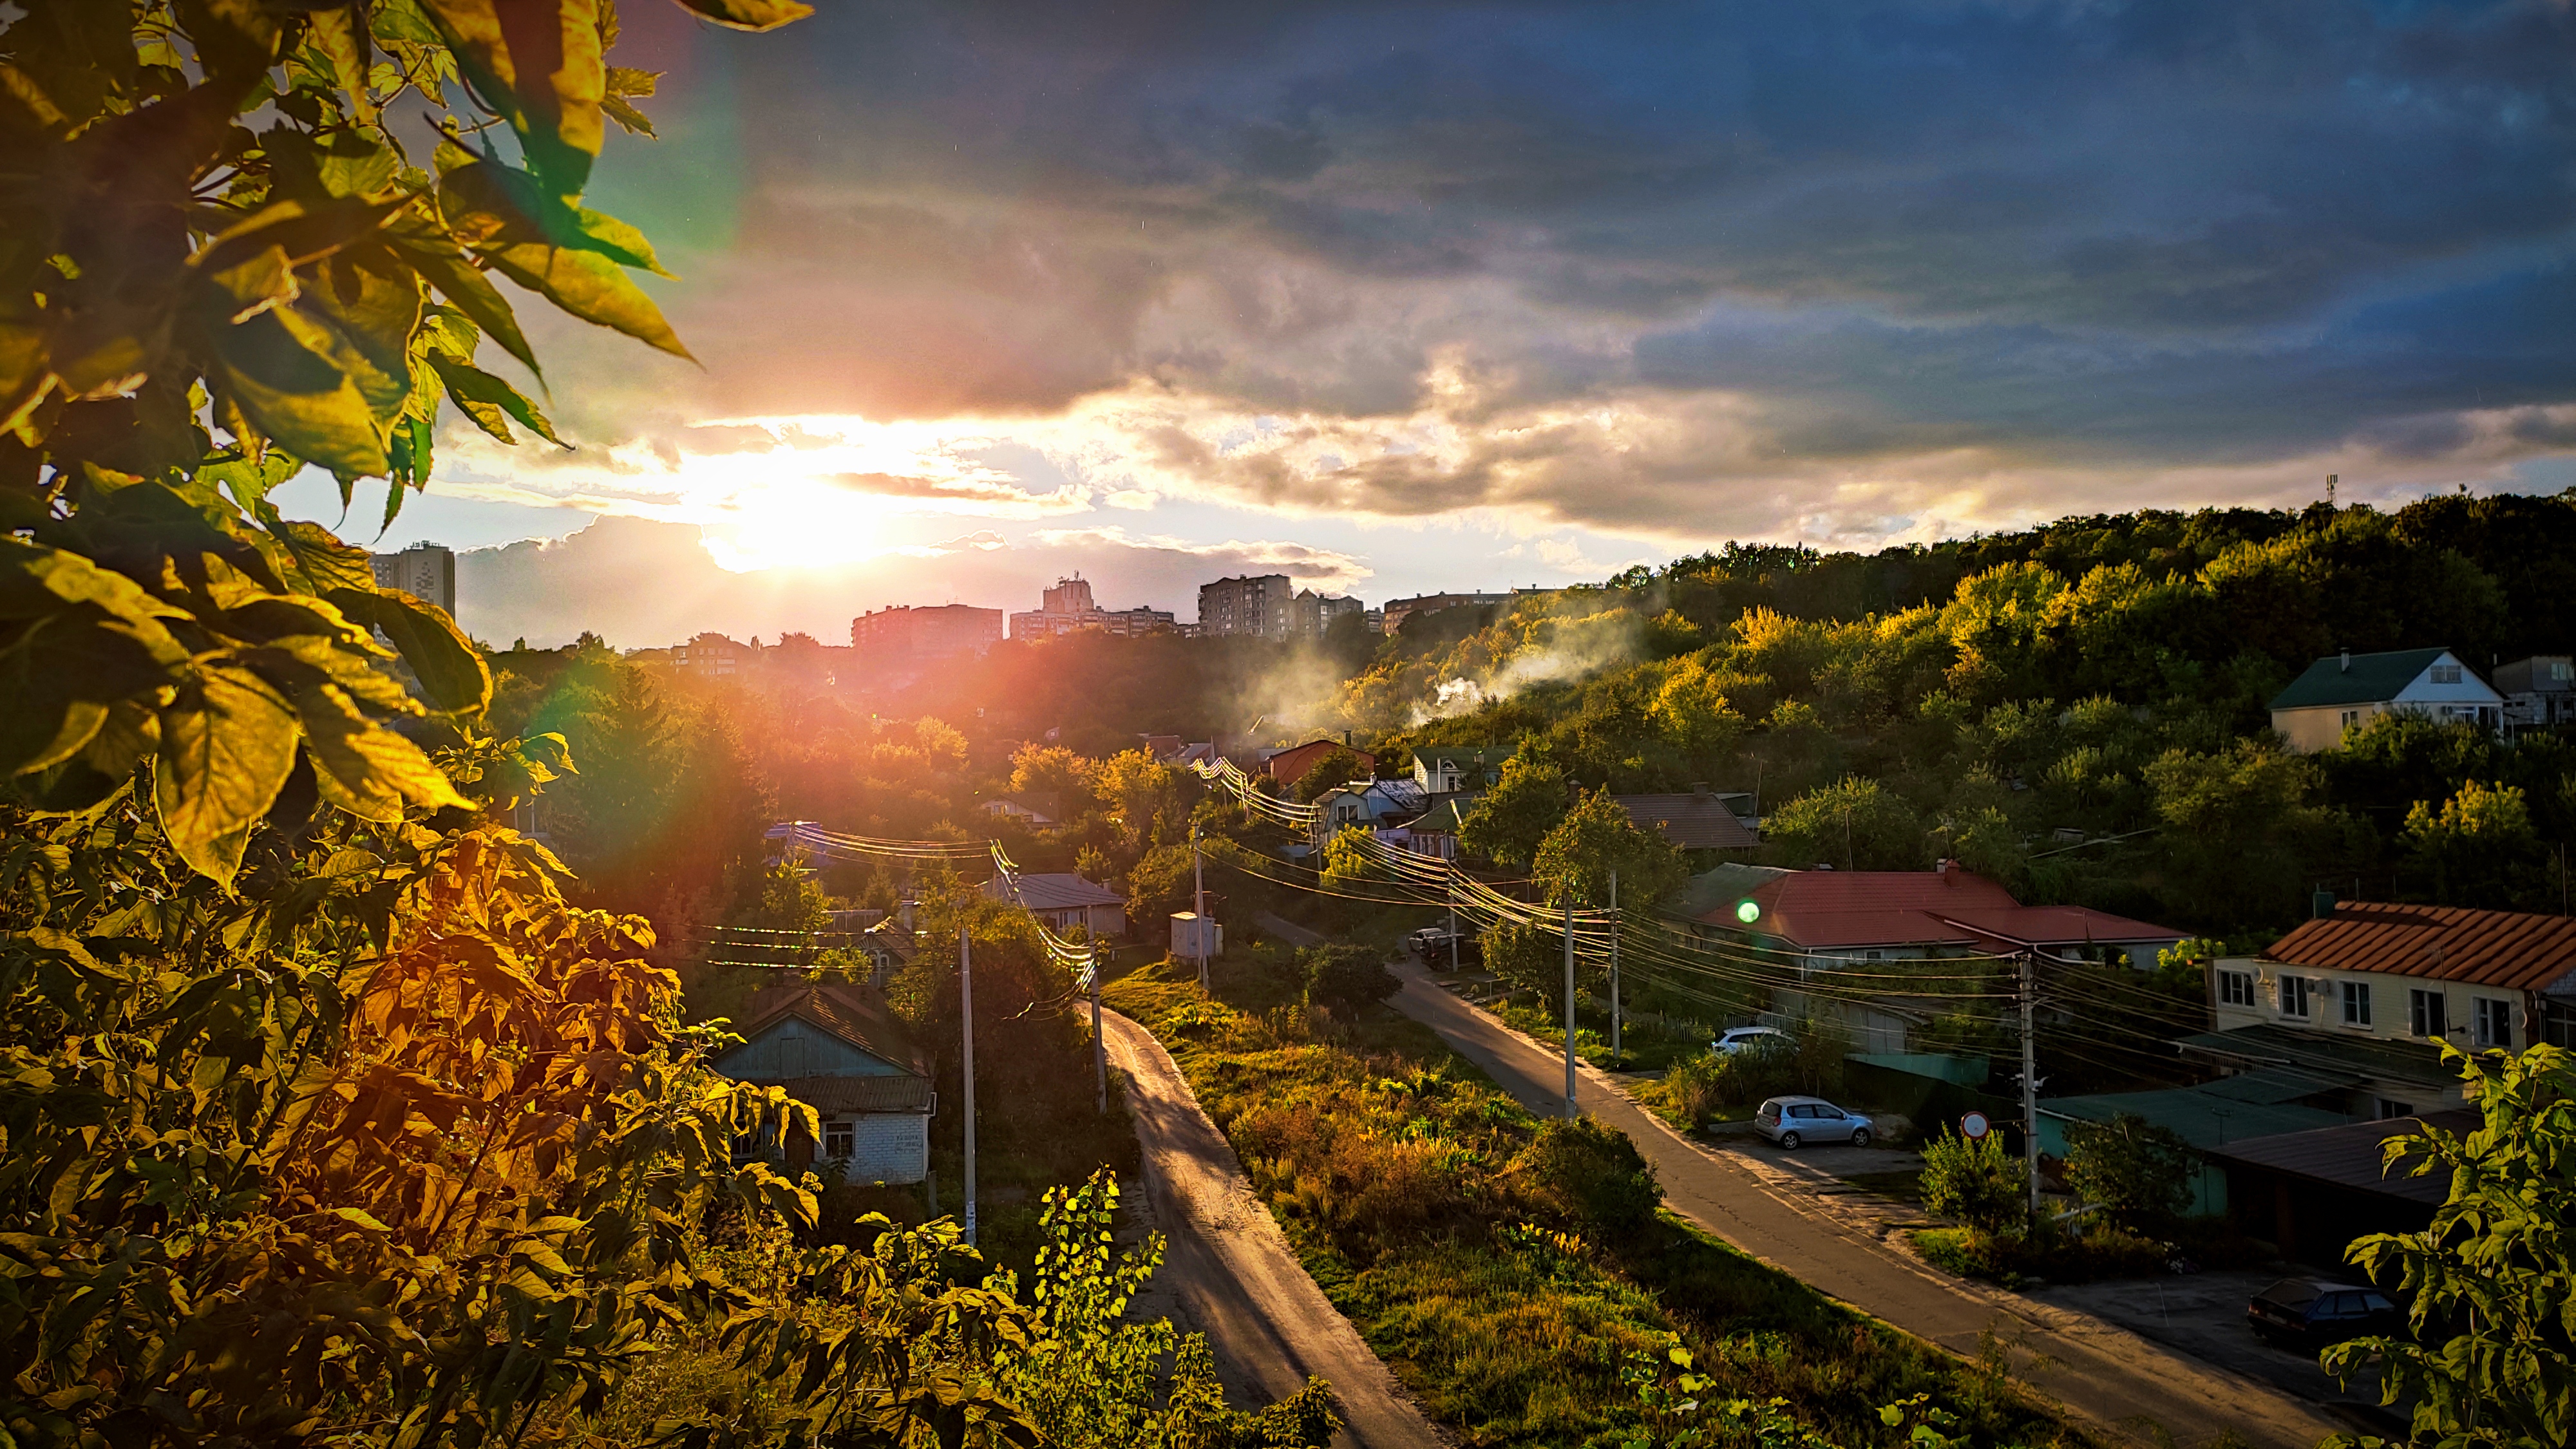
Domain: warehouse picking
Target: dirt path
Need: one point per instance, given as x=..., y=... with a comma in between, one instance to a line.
x=1231, y=1270
x=2104, y=1373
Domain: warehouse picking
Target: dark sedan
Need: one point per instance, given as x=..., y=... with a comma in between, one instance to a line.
x=2300, y=1313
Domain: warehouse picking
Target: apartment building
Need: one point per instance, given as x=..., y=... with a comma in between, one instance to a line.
x=2365, y=993
x=905, y=632
x=1398, y=610
x=426, y=571
x=1068, y=608
x=1263, y=605
x=1311, y=613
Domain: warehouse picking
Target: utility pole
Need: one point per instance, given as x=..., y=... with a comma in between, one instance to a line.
x=1451, y=886
x=966, y=1006
x=2029, y=994
x=1099, y=1047
x=1198, y=905
x=1616, y=1056
x=1570, y=1110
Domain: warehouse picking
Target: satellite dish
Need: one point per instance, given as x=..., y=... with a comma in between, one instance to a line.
x=1974, y=1126
x=1747, y=912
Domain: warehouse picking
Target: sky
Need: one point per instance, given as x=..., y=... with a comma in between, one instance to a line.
x=1403, y=297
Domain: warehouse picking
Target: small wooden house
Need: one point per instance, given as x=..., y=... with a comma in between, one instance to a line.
x=837, y=1048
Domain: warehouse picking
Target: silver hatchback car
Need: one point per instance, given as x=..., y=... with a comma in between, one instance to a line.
x=1790, y=1121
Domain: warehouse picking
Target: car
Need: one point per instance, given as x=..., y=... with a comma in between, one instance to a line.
x=1751, y=1038
x=1431, y=945
x=1792, y=1121
x=2309, y=1314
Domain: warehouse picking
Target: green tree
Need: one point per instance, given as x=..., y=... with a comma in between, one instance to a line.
x=2138, y=1172
x=1975, y=1181
x=2235, y=822
x=1337, y=767
x=1594, y=1174
x=1508, y=821
x=1051, y=776
x=1346, y=978
x=1694, y=711
x=2479, y=846
x=1856, y=823
x=1348, y=860
x=2490, y=1359
x=1594, y=839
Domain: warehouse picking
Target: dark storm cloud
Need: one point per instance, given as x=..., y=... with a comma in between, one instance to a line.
x=2177, y=231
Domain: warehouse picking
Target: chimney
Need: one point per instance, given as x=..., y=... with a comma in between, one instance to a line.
x=2321, y=904
x=1699, y=787
x=2347, y=661
x=1944, y=867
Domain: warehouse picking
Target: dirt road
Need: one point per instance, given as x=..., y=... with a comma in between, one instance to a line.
x=2107, y=1374
x=1231, y=1270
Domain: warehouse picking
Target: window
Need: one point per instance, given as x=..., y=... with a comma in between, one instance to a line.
x=2493, y=1018
x=2558, y=1023
x=2295, y=991
x=840, y=1139
x=2446, y=674
x=2356, y=1003
x=2236, y=988
x=2351, y=717
x=2389, y=1109
x=2426, y=1014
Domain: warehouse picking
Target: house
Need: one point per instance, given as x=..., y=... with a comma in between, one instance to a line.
x=2336, y=694
x=2311, y=1193
x=1371, y=804
x=1875, y=915
x=1696, y=820
x=2540, y=690
x=1063, y=901
x=1447, y=769
x=1037, y=815
x=839, y=1050
x=2371, y=989
x=1289, y=766
x=2206, y=1117
x=1435, y=831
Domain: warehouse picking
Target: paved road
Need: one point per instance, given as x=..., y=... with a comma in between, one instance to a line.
x=1233, y=1272
x=2107, y=1374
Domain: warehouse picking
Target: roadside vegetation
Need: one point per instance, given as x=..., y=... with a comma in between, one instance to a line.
x=1516, y=1271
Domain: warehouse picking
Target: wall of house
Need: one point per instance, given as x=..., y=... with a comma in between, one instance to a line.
x=2319, y=727
x=892, y=1147
x=794, y=1048
x=2391, y=1013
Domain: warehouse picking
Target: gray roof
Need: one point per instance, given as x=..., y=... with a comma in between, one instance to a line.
x=2370, y=679
x=833, y=1095
x=1051, y=891
x=1691, y=820
x=2353, y=1156
x=1719, y=889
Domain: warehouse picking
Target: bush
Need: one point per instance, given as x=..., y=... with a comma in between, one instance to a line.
x=1594, y=1175
x=1346, y=978
x=1973, y=1180
x=2138, y=1172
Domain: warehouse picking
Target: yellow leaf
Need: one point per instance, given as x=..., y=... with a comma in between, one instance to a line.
x=364, y=768
x=227, y=744
x=539, y=64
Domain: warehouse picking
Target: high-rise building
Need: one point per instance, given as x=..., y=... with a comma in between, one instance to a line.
x=1259, y=604
x=1312, y=613
x=1398, y=609
x=426, y=571
x=904, y=632
x=1068, y=608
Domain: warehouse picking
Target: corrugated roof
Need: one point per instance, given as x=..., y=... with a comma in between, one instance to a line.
x=1712, y=894
x=2508, y=950
x=2278, y=1084
x=1054, y=892
x=2059, y=925
x=2309, y=1050
x=1691, y=821
x=829, y=1095
x=2350, y=1156
x=1290, y=765
x=2199, y=1117
x=2371, y=679
x=1820, y=909
x=854, y=1013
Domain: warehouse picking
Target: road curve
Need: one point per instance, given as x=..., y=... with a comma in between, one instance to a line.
x=1232, y=1270
x=2111, y=1376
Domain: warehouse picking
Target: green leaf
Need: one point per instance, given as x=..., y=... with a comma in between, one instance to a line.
x=277, y=368
x=364, y=768
x=624, y=113
x=749, y=14
x=442, y=263
x=487, y=399
x=450, y=669
x=591, y=287
x=494, y=207
x=539, y=65
x=375, y=305
x=227, y=744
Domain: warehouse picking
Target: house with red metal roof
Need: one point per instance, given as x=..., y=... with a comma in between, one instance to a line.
x=2374, y=989
x=1884, y=915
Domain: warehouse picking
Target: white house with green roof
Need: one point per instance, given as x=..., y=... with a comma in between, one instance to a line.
x=2336, y=694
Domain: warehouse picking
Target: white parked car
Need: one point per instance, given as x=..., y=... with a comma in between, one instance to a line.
x=1751, y=1038
x=1790, y=1121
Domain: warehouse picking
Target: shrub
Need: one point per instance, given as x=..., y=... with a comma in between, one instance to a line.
x=1593, y=1174
x=2138, y=1172
x=1974, y=1180
x=1346, y=978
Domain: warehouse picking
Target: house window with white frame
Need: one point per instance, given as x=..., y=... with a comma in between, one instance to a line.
x=2236, y=988
x=2427, y=1014
x=840, y=1138
x=2356, y=1003
x=2446, y=674
x=2390, y=1108
x=2492, y=1016
x=2295, y=994
x=2351, y=717
x=2558, y=1023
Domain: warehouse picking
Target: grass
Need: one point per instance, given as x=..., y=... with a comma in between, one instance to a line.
x=1421, y=1199
x=2015, y=1261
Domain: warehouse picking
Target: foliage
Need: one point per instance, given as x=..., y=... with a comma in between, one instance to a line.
x=1594, y=1173
x=1855, y=823
x=1346, y=978
x=2474, y=845
x=2491, y=1356
x=1334, y=769
x=1509, y=820
x=1052, y=778
x=1093, y=1378
x=1975, y=1180
x=2136, y=1171
x=1595, y=839
x=1348, y=860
